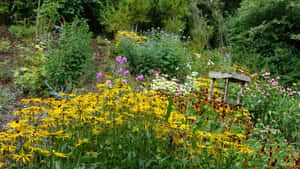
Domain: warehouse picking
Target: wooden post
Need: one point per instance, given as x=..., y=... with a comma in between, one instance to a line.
x=226, y=90
x=240, y=93
x=211, y=88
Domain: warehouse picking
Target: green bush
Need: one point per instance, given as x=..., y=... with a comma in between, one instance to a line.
x=31, y=75
x=263, y=36
x=22, y=30
x=160, y=51
x=52, y=12
x=70, y=58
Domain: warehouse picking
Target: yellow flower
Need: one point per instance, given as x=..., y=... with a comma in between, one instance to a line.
x=59, y=154
x=24, y=157
x=1, y=164
x=107, y=76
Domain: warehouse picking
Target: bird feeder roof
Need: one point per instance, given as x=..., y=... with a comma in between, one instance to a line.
x=233, y=77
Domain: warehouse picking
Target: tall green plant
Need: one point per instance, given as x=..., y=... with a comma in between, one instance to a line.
x=207, y=23
x=70, y=58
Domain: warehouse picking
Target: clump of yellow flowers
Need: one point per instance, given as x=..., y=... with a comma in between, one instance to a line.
x=119, y=123
x=130, y=35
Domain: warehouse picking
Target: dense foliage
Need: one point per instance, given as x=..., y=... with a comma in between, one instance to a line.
x=264, y=36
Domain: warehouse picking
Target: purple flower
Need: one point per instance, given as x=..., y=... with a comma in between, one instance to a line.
x=99, y=75
x=108, y=82
x=125, y=81
x=119, y=60
x=126, y=73
x=119, y=70
x=140, y=77
x=124, y=59
x=227, y=55
x=259, y=101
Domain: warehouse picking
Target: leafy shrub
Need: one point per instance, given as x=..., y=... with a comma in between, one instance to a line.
x=52, y=12
x=160, y=51
x=5, y=45
x=70, y=58
x=31, y=76
x=262, y=37
x=22, y=30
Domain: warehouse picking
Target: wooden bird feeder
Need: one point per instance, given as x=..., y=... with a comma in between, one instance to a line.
x=228, y=77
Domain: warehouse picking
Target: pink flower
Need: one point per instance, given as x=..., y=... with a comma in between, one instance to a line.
x=266, y=75
x=108, y=82
x=56, y=26
x=181, y=90
x=140, y=77
x=119, y=70
x=253, y=75
x=99, y=75
x=153, y=71
x=282, y=89
x=274, y=83
x=126, y=73
x=259, y=101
